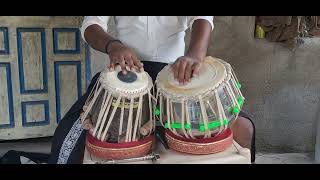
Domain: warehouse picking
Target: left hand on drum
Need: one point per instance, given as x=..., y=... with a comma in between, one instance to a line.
x=185, y=67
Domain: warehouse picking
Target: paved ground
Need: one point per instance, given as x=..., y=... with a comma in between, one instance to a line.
x=43, y=145
x=287, y=158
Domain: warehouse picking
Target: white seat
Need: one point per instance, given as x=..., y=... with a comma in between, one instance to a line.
x=235, y=154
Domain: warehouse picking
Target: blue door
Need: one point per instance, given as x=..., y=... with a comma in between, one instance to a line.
x=44, y=69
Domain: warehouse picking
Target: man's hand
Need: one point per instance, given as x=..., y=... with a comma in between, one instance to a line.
x=188, y=66
x=185, y=68
x=124, y=56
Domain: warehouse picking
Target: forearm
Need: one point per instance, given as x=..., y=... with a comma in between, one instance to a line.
x=97, y=38
x=200, y=38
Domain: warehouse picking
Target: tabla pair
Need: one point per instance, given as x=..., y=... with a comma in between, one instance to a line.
x=121, y=111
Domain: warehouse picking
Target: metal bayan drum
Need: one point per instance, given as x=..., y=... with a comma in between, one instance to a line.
x=118, y=114
x=197, y=115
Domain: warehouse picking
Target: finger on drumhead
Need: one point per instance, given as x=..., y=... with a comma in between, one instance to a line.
x=174, y=68
x=123, y=66
x=111, y=67
x=142, y=66
x=137, y=63
x=141, y=69
x=128, y=68
x=188, y=71
x=182, y=69
x=130, y=63
x=196, y=69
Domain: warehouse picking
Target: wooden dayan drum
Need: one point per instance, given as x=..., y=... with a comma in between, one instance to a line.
x=197, y=115
x=118, y=115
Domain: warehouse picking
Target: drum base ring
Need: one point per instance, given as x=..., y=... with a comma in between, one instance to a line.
x=217, y=144
x=117, y=151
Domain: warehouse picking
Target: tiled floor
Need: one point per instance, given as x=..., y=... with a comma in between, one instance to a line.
x=43, y=145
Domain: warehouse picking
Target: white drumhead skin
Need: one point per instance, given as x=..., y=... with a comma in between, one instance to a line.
x=109, y=79
x=212, y=74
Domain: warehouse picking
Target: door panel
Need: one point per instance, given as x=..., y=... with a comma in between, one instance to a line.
x=44, y=69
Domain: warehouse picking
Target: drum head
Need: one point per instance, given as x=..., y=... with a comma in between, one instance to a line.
x=212, y=73
x=131, y=83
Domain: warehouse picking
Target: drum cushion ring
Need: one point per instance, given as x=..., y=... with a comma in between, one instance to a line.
x=125, y=150
x=202, y=146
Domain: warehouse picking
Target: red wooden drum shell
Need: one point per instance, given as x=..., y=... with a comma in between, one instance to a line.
x=203, y=146
x=116, y=151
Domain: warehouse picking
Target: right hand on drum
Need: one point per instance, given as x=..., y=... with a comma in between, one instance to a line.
x=186, y=67
x=124, y=56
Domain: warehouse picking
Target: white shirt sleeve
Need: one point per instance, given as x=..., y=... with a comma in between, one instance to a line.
x=102, y=21
x=191, y=20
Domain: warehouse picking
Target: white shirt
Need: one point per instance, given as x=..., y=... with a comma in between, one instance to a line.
x=154, y=38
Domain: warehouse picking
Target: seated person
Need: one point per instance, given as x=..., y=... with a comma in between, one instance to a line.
x=158, y=41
